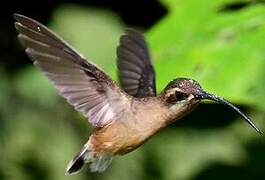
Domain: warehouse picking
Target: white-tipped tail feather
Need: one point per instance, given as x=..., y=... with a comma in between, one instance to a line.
x=97, y=162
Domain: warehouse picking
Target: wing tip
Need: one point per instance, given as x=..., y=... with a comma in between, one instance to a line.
x=133, y=32
x=20, y=21
x=26, y=21
x=18, y=17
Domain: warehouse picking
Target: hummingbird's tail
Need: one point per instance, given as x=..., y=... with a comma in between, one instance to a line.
x=97, y=162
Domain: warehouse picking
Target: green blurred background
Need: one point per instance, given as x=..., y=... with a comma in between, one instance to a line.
x=220, y=43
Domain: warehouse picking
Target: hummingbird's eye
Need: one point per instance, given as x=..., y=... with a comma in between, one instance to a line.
x=176, y=97
x=179, y=96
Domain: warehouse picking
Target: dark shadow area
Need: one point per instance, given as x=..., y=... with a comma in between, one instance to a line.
x=138, y=13
x=208, y=116
x=238, y=5
x=2, y=175
x=252, y=168
x=152, y=169
x=33, y=168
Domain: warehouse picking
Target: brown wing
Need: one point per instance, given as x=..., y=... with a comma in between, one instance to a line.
x=136, y=73
x=83, y=84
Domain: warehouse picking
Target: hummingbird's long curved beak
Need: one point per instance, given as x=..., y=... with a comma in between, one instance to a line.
x=206, y=95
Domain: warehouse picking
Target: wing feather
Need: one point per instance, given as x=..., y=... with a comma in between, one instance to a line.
x=136, y=73
x=82, y=83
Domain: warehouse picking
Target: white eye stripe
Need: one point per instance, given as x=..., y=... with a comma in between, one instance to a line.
x=191, y=96
x=172, y=91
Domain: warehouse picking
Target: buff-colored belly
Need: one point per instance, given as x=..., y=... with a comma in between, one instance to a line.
x=131, y=131
x=117, y=138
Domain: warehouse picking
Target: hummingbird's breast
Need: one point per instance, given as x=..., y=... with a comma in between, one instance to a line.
x=141, y=121
x=131, y=129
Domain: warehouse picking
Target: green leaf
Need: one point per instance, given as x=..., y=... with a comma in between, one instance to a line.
x=224, y=51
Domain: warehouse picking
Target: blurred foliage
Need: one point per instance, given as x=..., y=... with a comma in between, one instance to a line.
x=96, y=36
x=223, y=50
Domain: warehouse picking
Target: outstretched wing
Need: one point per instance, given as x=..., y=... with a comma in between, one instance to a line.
x=83, y=84
x=136, y=73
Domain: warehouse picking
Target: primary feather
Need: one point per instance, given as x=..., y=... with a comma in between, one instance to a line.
x=81, y=82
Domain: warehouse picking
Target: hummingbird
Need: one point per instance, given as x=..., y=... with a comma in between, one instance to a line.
x=123, y=116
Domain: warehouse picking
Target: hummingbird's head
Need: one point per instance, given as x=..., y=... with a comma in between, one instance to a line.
x=182, y=94
x=181, y=90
